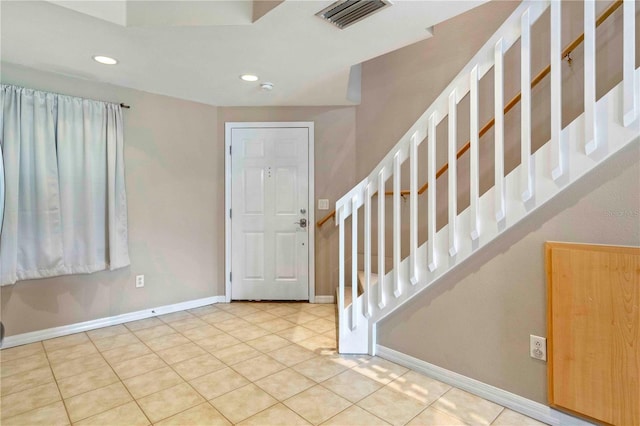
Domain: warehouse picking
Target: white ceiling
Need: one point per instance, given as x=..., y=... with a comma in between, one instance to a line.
x=196, y=50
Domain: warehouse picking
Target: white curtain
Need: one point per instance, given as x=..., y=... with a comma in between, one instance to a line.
x=65, y=209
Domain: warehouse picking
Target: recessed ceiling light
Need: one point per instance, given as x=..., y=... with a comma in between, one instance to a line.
x=249, y=77
x=105, y=60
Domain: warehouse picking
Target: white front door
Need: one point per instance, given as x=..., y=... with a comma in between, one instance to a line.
x=269, y=213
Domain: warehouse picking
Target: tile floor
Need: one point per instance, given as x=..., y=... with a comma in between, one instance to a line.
x=238, y=363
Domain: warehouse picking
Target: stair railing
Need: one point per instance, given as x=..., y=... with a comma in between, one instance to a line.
x=491, y=55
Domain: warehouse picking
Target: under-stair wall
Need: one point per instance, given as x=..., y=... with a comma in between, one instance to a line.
x=490, y=250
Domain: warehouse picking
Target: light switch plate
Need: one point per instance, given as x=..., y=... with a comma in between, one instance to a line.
x=323, y=204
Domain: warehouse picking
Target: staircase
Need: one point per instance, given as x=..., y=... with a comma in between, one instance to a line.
x=606, y=126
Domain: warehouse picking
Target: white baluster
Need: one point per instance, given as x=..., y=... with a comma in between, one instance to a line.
x=341, y=270
x=413, y=206
x=452, y=173
x=525, y=107
x=431, y=193
x=396, y=225
x=474, y=166
x=381, y=230
x=498, y=73
x=557, y=165
x=590, y=134
x=367, y=251
x=630, y=91
x=354, y=262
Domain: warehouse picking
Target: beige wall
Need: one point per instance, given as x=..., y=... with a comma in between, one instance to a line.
x=476, y=321
x=174, y=180
x=174, y=158
x=335, y=132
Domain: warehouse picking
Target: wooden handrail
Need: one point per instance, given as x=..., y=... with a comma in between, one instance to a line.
x=512, y=103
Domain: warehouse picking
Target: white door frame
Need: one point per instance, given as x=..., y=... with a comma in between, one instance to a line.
x=227, y=198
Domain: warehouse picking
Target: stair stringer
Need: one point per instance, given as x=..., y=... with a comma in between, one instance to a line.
x=613, y=137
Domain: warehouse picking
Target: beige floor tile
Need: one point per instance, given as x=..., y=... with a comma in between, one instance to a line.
x=78, y=366
x=104, y=332
x=218, y=383
x=128, y=414
x=232, y=324
x=320, y=344
x=187, y=324
x=199, y=333
x=467, y=407
x=181, y=353
x=143, y=323
x=276, y=325
x=71, y=352
x=27, y=400
x=292, y=355
x=510, y=418
x=320, y=325
x=23, y=381
x=242, y=309
x=259, y=317
x=236, y=353
x=49, y=415
x=169, y=402
x=282, y=311
x=166, y=341
x=348, y=361
x=203, y=414
x=351, y=385
x=319, y=369
x=65, y=341
x=20, y=352
x=433, y=417
x=243, y=402
x=217, y=317
x=391, y=406
x=317, y=404
x=249, y=333
x=220, y=341
x=22, y=365
x=118, y=341
x=175, y=316
x=355, y=416
x=269, y=343
x=198, y=366
x=296, y=334
x=203, y=310
x=87, y=381
x=152, y=382
x=153, y=332
x=380, y=370
x=117, y=355
x=285, y=384
x=136, y=366
x=96, y=401
x=259, y=367
x=275, y=416
x=300, y=317
x=323, y=310
x=421, y=388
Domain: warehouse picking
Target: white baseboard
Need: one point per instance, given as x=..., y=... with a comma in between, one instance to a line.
x=502, y=397
x=49, y=333
x=324, y=299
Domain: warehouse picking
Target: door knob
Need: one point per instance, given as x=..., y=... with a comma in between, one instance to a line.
x=302, y=223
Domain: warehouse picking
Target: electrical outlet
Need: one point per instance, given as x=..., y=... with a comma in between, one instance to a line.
x=139, y=280
x=323, y=204
x=538, y=347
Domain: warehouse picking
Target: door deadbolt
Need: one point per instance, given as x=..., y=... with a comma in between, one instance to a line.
x=302, y=223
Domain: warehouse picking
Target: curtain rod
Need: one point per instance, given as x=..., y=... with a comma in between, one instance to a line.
x=124, y=106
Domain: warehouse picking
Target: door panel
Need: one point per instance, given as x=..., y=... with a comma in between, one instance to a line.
x=269, y=200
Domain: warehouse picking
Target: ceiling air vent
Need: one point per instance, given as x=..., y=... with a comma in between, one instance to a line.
x=347, y=12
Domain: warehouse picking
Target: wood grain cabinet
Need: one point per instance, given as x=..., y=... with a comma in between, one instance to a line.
x=594, y=331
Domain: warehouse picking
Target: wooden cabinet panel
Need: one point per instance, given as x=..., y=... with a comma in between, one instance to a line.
x=594, y=331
